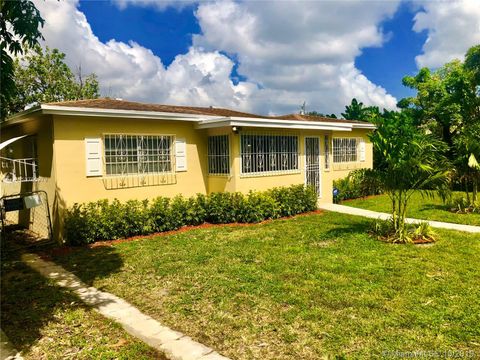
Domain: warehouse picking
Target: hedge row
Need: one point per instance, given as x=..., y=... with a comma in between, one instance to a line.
x=359, y=183
x=104, y=220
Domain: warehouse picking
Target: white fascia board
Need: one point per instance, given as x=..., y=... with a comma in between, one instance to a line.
x=21, y=116
x=269, y=123
x=137, y=114
x=297, y=122
x=364, y=126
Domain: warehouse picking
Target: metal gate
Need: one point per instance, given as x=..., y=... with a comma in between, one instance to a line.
x=312, y=163
x=26, y=216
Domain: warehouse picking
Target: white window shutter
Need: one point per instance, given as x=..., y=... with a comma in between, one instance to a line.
x=181, y=154
x=362, y=149
x=93, y=151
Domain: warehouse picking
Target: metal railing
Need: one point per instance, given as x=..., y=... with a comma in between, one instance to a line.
x=19, y=170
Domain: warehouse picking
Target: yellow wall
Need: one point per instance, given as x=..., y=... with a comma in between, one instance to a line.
x=238, y=182
x=62, y=161
x=75, y=186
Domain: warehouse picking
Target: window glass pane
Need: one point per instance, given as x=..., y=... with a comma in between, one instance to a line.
x=344, y=150
x=267, y=153
x=137, y=154
x=218, y=155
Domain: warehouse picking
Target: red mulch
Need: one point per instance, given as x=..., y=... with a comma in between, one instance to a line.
x=65, y=250
x=191, y=227
x=423, y=241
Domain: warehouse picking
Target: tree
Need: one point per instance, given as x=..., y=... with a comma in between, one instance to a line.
x=412, y=160
x=316, y=113
x=19, y=27
x=42, y=76
x=447, y=104
x=357, y=111
x=445, y=99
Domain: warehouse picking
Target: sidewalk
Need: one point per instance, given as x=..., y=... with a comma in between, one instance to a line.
x=7, y=352
x=173, y=344
x=378, y=215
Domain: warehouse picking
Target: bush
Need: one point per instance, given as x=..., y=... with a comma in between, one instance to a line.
x=257, y=207
x=104, y=220
x=359, y=183
x=294, y=200
x=419, y=233
x=461, y=205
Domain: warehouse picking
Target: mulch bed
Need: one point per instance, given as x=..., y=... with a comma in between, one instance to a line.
x=65, y=249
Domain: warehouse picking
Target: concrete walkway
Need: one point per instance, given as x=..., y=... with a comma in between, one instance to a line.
x=173, y=344
x=378, y=215
x=7, y=352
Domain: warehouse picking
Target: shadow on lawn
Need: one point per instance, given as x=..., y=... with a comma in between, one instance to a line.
x=340, y=230
x=87, y=263
x=435, y=207
x=29, y=301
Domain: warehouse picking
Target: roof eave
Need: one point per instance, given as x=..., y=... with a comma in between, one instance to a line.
x=269, y=123
x=364, y=126
x=117, y=113
x=22, y=116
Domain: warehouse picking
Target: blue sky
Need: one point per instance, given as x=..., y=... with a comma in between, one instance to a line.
x=169, y=33
x=261, y=56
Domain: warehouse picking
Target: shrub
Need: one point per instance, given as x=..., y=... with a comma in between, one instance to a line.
x=104, y=220
x=160, y=214
x=461, y=205
x=419, y=233
x=294, y=199
x=257, y=207
x=222, y=208
x=359, y=183
x=196, y=213
x=77, y=230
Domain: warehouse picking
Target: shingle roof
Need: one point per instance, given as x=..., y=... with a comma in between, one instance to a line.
x=131, y=105
x=105, y=103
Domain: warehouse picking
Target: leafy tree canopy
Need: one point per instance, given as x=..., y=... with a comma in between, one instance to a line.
x=447, y=98
x=19, y=27
x=357, y=111
x=42, y=76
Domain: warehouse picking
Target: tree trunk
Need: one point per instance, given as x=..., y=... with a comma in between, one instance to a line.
x=466, y=190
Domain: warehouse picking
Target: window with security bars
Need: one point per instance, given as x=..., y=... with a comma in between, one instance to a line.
x=137, y=154
x=218, y=155
x=268, y=153
x=344, y=150
x=327, y=152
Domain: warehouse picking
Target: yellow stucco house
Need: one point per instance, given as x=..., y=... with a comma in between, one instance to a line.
x=80, y=151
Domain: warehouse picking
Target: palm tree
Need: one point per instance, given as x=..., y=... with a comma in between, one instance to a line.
x=411, y=160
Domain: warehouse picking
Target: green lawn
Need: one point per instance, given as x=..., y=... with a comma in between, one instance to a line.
x=419, y=208
x=44, y=321
x=300, y=288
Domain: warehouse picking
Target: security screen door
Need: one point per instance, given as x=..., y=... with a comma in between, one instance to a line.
x=312, y=163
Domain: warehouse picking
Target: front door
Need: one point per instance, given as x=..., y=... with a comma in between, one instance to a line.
x=312, y=163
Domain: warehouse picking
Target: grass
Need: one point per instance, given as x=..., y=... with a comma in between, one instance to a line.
x=304, y=288
x=419, y=208
x=44, y=321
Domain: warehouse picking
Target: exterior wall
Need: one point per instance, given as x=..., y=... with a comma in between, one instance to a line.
x=42, y=129
x=343, y=169
x=62, y=161
x=221, y=183
x=75, y=186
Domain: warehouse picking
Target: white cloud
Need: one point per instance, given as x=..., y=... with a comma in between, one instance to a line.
x=288, y=52
x=133, y=72
x=299, y=50
x=452, y=26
